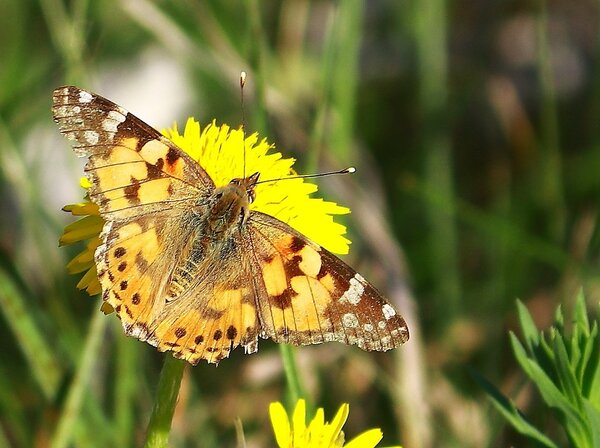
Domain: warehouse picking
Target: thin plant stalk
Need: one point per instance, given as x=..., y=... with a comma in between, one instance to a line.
x=550, y=171
x=125, y=387
x=290, y=367
x=431, y=47
x=159, y=427
x=85, y=370
x=258, y=55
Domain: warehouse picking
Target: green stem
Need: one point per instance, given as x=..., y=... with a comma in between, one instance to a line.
x=430, y=27
x=257, y=57
x=550, y=185
x=78, y=388
x=288, y=356
x=157, y=435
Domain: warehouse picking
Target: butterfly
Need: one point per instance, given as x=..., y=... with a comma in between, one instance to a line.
x=189, y=268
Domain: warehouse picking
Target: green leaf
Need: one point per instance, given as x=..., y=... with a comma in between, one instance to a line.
x=559, y=319
x=591, y=375
x=70, y=415
x=566, y=375
x=593, y=416
x=571, y=419
x=520, y=353
x=530, y=332
x=577, y=350
x=545, y=354
x=565, y=371
x=508, y=409
x=553, y=397
x=581, y=316
x=590, y=367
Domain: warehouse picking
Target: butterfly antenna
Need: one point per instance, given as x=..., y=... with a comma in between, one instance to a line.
x=348, y=170
x=242, y=83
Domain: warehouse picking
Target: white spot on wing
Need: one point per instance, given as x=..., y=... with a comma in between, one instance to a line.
x=355, y=291
x=251, y=347
x=350, y=320
x=388, y=311
x=85, y=97
x=368, y=327
x=91, y=137
x=116, y=115
x=381, y=324
x=113, y=119
x=110, y=125
x=138, y=331
x=63, y=111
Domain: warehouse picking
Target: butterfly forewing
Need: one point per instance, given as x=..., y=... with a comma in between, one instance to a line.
x=132, y=168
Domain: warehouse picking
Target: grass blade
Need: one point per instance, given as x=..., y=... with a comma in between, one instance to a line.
x=44, y=366
x=508, y=409
x=77, y=389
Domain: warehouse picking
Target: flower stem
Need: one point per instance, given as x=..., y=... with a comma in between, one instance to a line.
x=157, y=435
x=288, y=356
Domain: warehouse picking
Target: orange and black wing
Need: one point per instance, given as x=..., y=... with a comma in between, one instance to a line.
x=309, y=296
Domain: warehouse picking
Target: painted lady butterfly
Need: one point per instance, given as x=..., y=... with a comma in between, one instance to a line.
x=189, y=268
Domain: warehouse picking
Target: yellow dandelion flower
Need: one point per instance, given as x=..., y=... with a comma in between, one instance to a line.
x=318, y=433
x=225, y=155
x=220, y=150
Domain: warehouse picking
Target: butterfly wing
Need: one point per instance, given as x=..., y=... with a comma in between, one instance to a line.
x=216, y=309
x=145, y=187
x=309, y=296
x=132, y=168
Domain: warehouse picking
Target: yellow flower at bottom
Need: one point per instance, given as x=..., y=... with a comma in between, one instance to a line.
x=224, y=154
x=318, y=433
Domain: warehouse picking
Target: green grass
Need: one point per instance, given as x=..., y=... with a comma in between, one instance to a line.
x=477, y=157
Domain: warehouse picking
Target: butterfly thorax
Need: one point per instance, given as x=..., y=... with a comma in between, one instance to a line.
x=213, y=230
x=230, y=207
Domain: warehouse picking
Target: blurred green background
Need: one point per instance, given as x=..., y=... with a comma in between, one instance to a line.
x=474, y=127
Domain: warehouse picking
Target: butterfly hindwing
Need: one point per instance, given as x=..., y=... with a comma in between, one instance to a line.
x=171, y=293
x=132, y=168
x=216, y=308
x=133, y=266
x=311, y=296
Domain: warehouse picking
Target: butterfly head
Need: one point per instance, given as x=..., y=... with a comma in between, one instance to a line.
x=247, y=184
